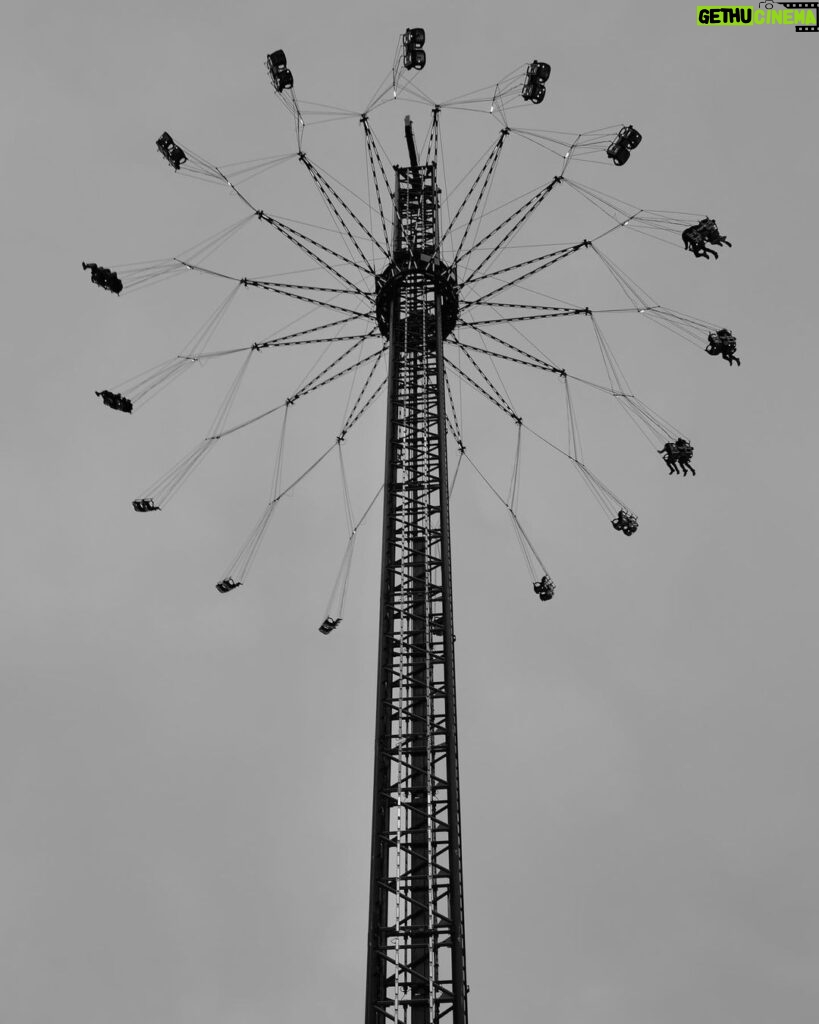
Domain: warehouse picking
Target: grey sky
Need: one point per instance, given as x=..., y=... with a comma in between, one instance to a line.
x=185, y=779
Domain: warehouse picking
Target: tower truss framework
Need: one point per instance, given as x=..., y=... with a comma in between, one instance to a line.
x=416, y=967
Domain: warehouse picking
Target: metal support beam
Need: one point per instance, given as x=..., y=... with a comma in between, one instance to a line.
x=413, y=156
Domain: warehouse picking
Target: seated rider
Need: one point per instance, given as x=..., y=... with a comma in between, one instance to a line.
x=626, y=522
x=685, y=450
x=113, y=283
x=723, y=343
x=115, y=401
x=694, y=241
x=711, y=232
x=104, y=277
x=97, y=272
x=670, y=456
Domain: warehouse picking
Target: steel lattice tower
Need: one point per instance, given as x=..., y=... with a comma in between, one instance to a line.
x=416, y=968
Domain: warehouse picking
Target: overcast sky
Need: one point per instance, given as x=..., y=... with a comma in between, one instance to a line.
x=185, y=779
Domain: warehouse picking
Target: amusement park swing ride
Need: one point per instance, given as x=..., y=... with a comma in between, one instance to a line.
x=413, y=305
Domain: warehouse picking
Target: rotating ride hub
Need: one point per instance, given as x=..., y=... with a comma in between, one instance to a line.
x=415, y=273
x=416, y=284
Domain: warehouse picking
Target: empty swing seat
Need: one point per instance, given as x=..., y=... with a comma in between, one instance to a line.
x=145, y=505
x=280, y=75
x=534, y=87
x=630, y=137
x=544, y=588
x=173, y=153
x=414, y=56
x=619, y=150
x=226, y=585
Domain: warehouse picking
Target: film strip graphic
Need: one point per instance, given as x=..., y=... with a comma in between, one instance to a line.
x=801, y=7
